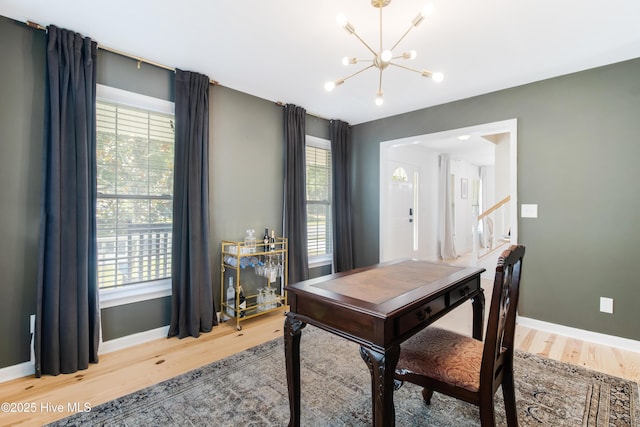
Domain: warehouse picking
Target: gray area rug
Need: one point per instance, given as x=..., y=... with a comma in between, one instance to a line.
x=250, y=389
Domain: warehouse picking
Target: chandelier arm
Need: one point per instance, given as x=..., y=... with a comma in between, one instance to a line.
x=380, y=82
x=402, y=37
x=356, y=73
x=406, y=68
x=364, y=43
x=380, y=33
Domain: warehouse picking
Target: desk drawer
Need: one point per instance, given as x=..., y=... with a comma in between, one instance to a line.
x=460, y=292
x=421, y=315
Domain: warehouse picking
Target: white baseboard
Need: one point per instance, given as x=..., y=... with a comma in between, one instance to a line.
x=581, y=334
x=17, y=371
x=134, y=339
x=27, y=368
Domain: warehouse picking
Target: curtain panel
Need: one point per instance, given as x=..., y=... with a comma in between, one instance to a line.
x=341, y=159
x=67, y=329
x=192, y=305
x=295, y=203
x=446, y=230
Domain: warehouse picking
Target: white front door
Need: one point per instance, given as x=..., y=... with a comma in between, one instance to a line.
x=399, y=238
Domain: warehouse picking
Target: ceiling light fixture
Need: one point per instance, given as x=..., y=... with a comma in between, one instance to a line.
x=382, y=58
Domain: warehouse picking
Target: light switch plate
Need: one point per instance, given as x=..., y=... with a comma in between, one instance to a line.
x=528, y=211
x=606, y=305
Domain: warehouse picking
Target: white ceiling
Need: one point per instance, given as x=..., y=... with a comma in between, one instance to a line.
x=285, y=50
x=478, y=148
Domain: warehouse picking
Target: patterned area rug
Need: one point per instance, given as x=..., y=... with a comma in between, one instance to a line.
x=250, y=389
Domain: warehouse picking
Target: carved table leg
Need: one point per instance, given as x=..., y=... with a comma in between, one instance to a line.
x=382, y=367
x=478, y=314
x=292, y=335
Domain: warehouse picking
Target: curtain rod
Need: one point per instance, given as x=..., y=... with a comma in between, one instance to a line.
x=317, y=116
x=121, y=53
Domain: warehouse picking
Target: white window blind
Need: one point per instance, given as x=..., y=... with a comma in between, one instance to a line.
x=135, y=149
x=319, y=197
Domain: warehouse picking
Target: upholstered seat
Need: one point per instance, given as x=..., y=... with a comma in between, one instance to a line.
x=465, y=368
x=445, y=356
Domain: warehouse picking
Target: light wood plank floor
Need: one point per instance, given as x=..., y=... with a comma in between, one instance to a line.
x=125, y=371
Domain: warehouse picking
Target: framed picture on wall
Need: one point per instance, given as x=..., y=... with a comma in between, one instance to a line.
x=464, y=188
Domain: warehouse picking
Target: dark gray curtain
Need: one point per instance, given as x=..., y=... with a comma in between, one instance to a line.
x=295, y=203
x=192, y=306
x=341, y=159
x=67, y=314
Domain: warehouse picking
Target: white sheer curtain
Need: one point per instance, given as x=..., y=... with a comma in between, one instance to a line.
x=446, y=243
x=483, y=206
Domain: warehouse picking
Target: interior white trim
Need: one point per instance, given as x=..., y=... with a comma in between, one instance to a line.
x=314, y=141
x=134, y=293
x=132, y=99
x=17, y=371
x=27, y=368
x=133, y=339
x=581, y=334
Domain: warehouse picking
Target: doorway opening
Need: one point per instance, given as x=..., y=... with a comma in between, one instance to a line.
x=483, y=172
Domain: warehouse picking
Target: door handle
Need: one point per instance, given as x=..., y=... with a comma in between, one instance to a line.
x=410, y=214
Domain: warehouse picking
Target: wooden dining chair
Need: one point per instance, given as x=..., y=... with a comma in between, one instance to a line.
x=465, y=368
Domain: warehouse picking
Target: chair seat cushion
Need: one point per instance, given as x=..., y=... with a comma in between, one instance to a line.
x=444, y=356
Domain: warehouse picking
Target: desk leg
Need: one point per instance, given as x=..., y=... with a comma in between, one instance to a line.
x=478, y=315
x=292, y=335
x=382, y=367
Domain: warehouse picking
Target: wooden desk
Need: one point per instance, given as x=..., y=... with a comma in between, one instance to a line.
x=377, y=307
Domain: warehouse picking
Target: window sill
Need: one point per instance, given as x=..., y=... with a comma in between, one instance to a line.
x=135, y=293
x=320, y=261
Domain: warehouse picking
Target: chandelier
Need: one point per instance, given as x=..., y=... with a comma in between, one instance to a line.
x=383, y=58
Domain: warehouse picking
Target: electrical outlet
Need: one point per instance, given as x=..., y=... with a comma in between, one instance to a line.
x=32, y=329
x=606, y=305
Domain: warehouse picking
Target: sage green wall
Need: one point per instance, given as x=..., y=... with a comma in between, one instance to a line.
x=123, y=73
x=246, y=167
x=578, y=157
x=129, y=319
x=21, y=118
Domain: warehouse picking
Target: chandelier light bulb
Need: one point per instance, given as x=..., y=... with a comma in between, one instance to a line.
x=437, y=77
x=346, y=60
x=329, y=86
x=410, y=55
x=386, y=56
x=379, y=98
x=342, y=21
x=427, y=10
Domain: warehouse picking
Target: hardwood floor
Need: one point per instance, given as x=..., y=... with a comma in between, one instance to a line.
x=122, y=372
x=128, y=370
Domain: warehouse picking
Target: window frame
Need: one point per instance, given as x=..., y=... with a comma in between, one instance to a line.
x=325, y=259
x=111, y=297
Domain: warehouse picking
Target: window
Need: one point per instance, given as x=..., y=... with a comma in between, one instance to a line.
x=134, y=153
x=319, y=196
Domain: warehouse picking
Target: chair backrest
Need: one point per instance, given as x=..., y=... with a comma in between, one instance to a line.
x=499, y=339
